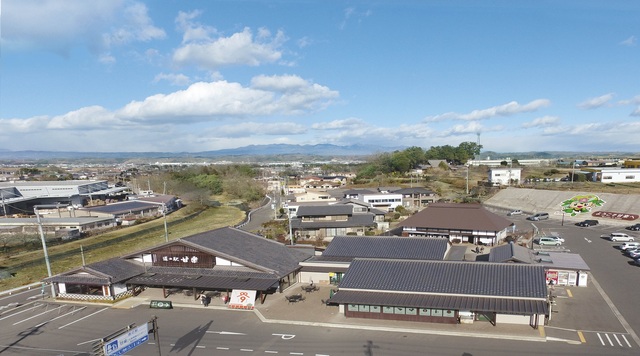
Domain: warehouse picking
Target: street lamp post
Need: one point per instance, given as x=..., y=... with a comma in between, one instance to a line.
x=573, y=171
x=44, y=242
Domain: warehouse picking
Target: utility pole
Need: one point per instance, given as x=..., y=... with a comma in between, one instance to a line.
x=44, y=243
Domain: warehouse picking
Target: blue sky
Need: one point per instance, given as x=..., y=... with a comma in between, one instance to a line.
x=190, y=76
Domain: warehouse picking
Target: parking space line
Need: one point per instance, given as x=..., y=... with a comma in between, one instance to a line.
x=609, y=339
x=600, y=337
x=35, y=316
x=581, y=336
x=625, y=340
x=75, y=321
x=569, y=293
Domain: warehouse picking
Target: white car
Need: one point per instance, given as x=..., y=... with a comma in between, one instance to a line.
x=515, y=212
x=620, y=236
x=555, y=238
x=629, y=246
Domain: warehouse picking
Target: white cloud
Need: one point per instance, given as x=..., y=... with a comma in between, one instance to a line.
x=59, y=26
x=248, y=129
x=542, y=122
x=472, y=127
x=240, y=48
x=636, y=112
x=85, y=118
x=633, y=101
x=507, y=109
x=594, y=103
x=193, y=31
x=630, y=42
x=174, y=79
x=349, y=123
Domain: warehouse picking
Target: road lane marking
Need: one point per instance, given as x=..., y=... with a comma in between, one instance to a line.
x=581, y=336
x=599, y=337
x=569, y=294
x=225, y=332
x=75, y=321
x=20, y=312
x=37, y=315
x=270, y=352
x=542, y=331
x=60, y=316
x=609, y=339
x=618, y=340
x=626, y=341
x=246, y=350
x=285, y=336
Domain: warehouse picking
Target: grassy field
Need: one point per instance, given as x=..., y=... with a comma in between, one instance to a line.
x=30, y=267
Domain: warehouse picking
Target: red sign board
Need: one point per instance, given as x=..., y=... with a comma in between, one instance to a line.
x=616, y=216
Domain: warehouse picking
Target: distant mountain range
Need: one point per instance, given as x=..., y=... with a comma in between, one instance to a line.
x=234, y=154
x=274, y=153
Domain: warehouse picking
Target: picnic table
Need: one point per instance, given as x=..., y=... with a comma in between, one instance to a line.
x=295, y=298
x=310, y=288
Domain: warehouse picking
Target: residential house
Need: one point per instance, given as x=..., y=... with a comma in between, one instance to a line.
x=470, y=223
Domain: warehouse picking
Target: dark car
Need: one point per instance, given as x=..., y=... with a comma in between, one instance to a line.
x=587, y=223
x=635, y=227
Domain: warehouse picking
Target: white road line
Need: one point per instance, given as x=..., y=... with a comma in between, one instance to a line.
x=20, y=312
x=625, y=340
x=609, y=339
x=62, y=316
x=618, y=340
x=616, y=312
x=246, y=350
x=270, y=352
x=90, y=315
x=35, y=316
x=19, y=293
x=225, y=332
x=87, y=342
x=222, y=348
x=200, y=347
x=600, y=337
x=296, y=353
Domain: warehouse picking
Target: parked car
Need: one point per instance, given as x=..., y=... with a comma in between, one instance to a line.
x=588, y=223
x=634, y=254
x=635, y=227
x=539, y=216
x=631, y=251
x=620, y=237
x=547, y=241
x=515, y=212
x=630, y=246
x=555, y=238
x=637, y=261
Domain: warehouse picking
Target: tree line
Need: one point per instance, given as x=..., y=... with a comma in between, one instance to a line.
x=402, y=161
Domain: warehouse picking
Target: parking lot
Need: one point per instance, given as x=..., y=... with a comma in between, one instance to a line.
x=605, y=312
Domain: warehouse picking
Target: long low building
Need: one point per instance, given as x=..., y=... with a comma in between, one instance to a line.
x=444, y=291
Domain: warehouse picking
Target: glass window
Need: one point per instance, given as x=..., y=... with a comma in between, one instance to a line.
x=449, y=313
x=352, y=307
x=375, y=309
x=411, y=311
x=425, y=312
x=398, y=310
x=436, y=312
x=363, y=308
x=387, y=310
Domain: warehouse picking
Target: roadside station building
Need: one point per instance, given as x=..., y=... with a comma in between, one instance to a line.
x=444, y=291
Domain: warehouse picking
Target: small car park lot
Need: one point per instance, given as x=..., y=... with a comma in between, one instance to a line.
x=609, y=266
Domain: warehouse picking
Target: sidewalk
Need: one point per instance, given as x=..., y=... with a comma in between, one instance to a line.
x=312, y=312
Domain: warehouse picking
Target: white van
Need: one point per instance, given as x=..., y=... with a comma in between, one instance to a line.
x=539, y=216
x=629, y=246
x=620, y=236
x=546, y=240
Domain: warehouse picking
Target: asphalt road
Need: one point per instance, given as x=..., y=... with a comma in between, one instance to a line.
x=62, y=329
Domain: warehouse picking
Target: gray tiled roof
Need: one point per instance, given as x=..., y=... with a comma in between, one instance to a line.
x=113, y=270
x=364, y=219
x=248, y=249
x=206, y=282
x=447, y=278
x=510, y=253
x=561, y=260
x=457, y=217
x=324, y=210
x=411, y=248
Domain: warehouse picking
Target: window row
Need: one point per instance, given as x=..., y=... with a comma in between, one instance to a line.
x=401, y=310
